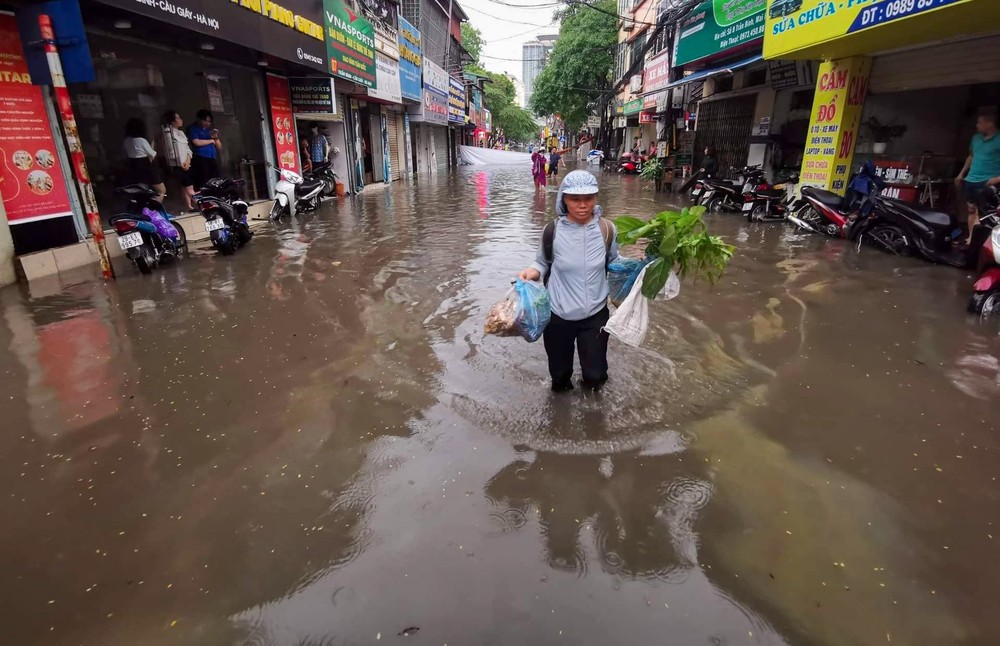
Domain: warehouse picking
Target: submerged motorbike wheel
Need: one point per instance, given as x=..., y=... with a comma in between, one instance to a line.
x=890, y=239
x=758, y=214
x=182, y=241
x=146, y=261
x=276, y=210
x=244, y=233
x=985, y=303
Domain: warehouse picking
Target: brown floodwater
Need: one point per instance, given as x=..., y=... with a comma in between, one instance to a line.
x=312, y=442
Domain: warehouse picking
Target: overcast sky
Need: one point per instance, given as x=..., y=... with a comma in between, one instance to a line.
x=504, y=29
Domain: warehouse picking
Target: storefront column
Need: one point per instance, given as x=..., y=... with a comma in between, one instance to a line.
x=7, y=274
x=841, y=88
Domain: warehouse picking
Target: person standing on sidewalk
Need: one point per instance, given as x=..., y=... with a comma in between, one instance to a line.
x=573, y=256
x=982, y=166
x=140, y=157
x=207, y=146
x=179, y=155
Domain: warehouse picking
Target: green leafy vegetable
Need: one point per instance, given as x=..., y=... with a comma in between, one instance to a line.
x=677, y=241
x=653, y=170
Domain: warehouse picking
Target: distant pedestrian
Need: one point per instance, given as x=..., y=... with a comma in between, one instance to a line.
x=573, y=255
x=554, y=159
x=140, y=156
x=538, y=169
x=207, y=146
x=179, y=154
x=982, y=166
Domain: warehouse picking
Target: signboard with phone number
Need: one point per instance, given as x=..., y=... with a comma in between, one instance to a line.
x=793, y=25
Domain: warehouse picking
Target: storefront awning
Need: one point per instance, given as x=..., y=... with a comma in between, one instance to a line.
x=704, y=74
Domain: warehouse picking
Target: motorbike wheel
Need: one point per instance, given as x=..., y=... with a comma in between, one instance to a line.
x=243, y=233
x=714, y=204
x=890, y=239
x=329, y=188
x=758, y=213
x=146, y=260
x=182, y=241
x=984, y=304
x=276, y=211
x=811, y=216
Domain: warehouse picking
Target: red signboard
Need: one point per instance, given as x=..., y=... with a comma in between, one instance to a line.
x=31, y=180
x=657, y=74
x=283, y=123
x=645, y=117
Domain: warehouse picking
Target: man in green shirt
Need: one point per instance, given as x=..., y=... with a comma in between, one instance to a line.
x=982, y=167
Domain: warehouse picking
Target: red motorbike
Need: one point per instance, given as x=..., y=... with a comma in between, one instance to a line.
x=632, y=163
x=985, y=297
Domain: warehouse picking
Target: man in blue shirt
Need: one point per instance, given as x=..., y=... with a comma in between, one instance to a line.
x=206, y=146
x=982, y=167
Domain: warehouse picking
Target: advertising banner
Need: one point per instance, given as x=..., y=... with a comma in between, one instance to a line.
x=283, y=123
x=717, y=26
x=657, y=74
x=288, y=29
x=645, y=117
x=387, y=74
x=793, y=25
x=833, y=128
x=434, y=106
x=456, y=101
x=31, y=181
x=410, y=61
x=313, y=95
x=632, y=107
x=350, y=44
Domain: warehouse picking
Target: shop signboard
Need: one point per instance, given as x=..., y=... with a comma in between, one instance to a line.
x=717, y=26
x=434, y=105
x=645, y=117
x=283, y=123
x=593, y=121
x=657, y=74
x=794, y=25
x=313, y=95
x=350, y=44
x=456, y=101
x=31, y=181
x=632, y=107
x=487, y=121
x=836, y=118
x=387, y=74
x=410, y=61
x=288, y=29
x=382, y=15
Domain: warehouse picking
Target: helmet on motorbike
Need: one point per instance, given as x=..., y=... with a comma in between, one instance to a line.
x=579, y=182
x=336, y=150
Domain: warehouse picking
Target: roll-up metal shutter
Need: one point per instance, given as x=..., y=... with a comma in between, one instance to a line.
x=726, y=125
x=968, y=62
x=395, y=157
x=441, y=148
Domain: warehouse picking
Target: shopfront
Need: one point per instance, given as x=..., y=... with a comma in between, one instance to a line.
x=430, y=119
x=410, y=83
x=899, y=85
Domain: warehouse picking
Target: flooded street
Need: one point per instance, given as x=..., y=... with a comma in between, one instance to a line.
x=312, y=442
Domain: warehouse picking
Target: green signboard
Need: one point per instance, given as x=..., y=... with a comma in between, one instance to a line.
x=633, y=107
x=717, y=26
x=350, y=44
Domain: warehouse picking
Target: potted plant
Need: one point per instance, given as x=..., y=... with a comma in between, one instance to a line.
x=883, y=133
x=653, y=171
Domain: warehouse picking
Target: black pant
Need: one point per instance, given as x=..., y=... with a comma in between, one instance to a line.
x=592, y=344
x=203, y=169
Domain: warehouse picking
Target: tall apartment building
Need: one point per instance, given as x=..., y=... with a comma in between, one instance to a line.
x=534, y=53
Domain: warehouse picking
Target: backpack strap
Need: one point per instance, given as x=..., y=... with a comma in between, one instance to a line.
x=606, y=232
x=548, y=243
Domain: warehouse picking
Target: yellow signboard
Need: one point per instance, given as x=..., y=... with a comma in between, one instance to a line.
x=841, y=87
x=794, y=25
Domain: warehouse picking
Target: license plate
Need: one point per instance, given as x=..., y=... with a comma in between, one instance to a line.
x=696, y=192
x=748, y=206
x=130, y=240
x=214, y=225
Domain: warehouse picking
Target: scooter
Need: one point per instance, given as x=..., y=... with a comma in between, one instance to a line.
x=146, y=232
x=727, y=195
x=293, y=193
x=985, y=297
x=324, y=173
x=771, y=203
x=632, y=163
x=220, y=201
x=694, y=186
x=821, y=211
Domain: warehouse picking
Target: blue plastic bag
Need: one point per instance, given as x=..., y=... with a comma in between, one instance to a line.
x=622, y=275
x=533, y=310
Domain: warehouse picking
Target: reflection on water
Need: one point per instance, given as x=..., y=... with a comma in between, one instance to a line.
x=312, y=441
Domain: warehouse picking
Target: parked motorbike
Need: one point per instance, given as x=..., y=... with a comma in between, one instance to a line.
x=323, y=172
x=985, y=297
x=632, y=163
x=822, y=211
x=771, y=203
x=727, y=195
x=220, y=201
x=694, y=186
x=293, y=193
x=146, y=232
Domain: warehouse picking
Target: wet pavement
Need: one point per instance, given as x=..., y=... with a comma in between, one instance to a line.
x=312, y=442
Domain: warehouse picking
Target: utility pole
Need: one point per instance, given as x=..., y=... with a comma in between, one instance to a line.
x=75, y=146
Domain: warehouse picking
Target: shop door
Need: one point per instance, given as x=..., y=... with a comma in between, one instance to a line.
x=441, y=149
x=395, y=154
x=968, y=62
x=726, y=124
x=376, y=139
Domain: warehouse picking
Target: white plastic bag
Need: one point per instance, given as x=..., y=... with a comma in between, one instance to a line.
x=630, y=322
x=671, y=289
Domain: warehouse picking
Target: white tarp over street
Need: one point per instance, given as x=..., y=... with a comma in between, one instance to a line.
x=481, y=156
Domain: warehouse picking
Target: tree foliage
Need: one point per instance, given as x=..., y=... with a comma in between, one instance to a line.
x=472, y=41
x=580, y=65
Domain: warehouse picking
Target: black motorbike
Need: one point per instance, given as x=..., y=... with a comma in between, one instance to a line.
x=766, y=202
x=324, y=173
x=727, y=195
x=221, y=201
x=146, y=232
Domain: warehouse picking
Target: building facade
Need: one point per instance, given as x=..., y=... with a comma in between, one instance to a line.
x=534, y=54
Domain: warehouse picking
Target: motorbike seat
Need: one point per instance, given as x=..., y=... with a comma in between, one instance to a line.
x=135, y=190
x=142, y=217
x=826, y=198
x=308, y=185
x=319, y=168
x=933, y=219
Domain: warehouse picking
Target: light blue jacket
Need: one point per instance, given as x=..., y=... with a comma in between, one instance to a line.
x=578, y=285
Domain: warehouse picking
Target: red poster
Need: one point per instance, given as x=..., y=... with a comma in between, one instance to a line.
x=283, y=123
x=31, y=181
